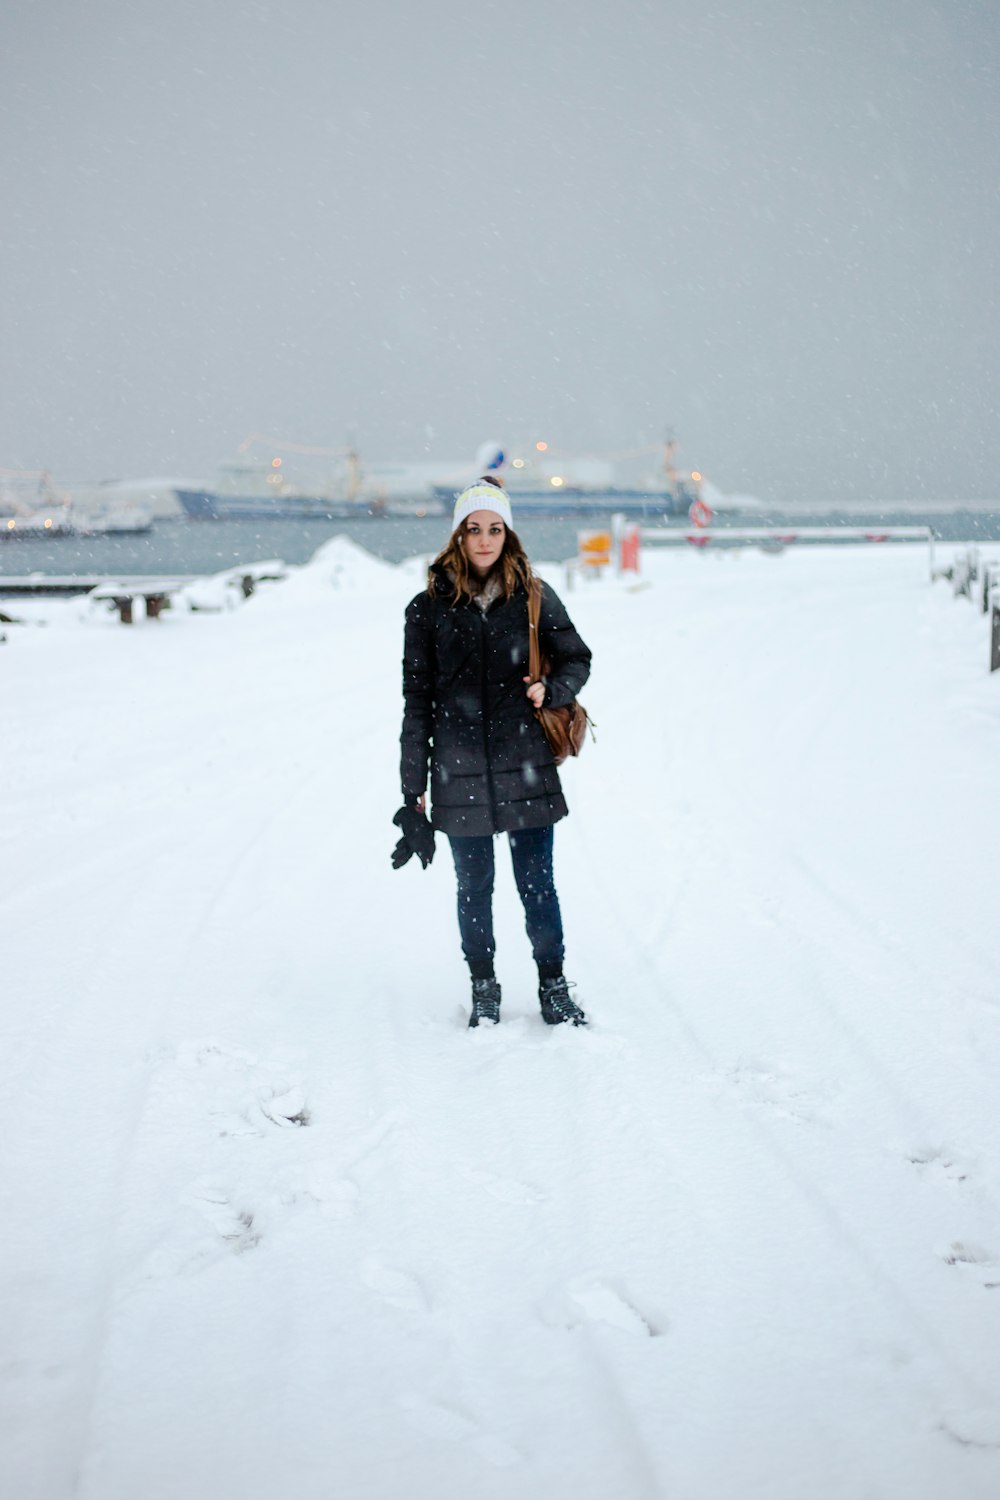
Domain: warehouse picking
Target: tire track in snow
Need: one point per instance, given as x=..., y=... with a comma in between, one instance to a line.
x=103, y=1294
x=836, y=955
x=881, y=1280
x=159, y=893
x=82, y=1015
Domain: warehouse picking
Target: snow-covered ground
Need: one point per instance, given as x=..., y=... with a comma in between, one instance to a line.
x=275, y=1223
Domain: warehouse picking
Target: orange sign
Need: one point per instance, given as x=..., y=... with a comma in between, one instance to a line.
x=594, y=548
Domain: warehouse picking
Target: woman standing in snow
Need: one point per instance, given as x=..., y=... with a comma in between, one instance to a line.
x=469, y=715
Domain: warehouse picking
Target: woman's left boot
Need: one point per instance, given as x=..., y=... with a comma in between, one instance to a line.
x=558, y=1007
x=485, y=1002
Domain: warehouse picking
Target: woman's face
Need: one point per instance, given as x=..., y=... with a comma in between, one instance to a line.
x=484, y=538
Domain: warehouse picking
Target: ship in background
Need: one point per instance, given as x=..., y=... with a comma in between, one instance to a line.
x=542, y=480
x=546, y=481
x=253, y=488
x=293, y=482
x=33, y=506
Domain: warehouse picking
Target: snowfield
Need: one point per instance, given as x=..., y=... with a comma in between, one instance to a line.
x=275, y=1222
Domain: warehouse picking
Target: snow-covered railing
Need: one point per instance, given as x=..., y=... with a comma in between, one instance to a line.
x=963, y=572
x=788, y=533
x=990, y=572
x=776, y=537
x=966, y=568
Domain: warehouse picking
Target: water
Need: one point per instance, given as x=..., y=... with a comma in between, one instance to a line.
x=211, y=546
x=200, y=547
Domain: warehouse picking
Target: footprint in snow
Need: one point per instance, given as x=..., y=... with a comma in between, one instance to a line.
x=506, y=1189
x=285, y=1109
x=973, y=1430
x=438, y=1419
x=396, y=1288
x=234, y=1124
x=233, y=1224
x=214, y=1056
x=327, y=1182
x=972, y=1260
x=249, y=1095
x=336, y=1195
x=210, y=1227
x=764, y=1087
x=594, y=1299
x=938, y=1165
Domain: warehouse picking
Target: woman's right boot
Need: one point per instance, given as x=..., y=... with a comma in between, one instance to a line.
x=485, y=1002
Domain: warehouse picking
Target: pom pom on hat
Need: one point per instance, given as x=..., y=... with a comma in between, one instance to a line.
x=483, y=496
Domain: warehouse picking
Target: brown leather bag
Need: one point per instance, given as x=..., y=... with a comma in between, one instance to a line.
x=564, y=728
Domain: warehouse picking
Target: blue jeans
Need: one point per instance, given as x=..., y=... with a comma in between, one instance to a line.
x=531, y=856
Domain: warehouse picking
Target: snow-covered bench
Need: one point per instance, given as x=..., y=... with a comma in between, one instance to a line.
x=221, y=591
x=206, y=593
x=156, y=594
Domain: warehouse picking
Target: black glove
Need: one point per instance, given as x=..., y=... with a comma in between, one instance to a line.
x=418, y=837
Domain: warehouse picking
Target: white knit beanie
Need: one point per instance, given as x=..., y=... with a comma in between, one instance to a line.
x=482, y=496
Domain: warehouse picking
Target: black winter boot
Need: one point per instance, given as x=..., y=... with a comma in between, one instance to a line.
x=485, y=1002
x=557, y=1006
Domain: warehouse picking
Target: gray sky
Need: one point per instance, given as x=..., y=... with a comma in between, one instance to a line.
x=769, y=226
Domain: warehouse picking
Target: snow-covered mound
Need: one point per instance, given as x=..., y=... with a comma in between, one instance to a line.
x=342, y=565
x=275, y=1221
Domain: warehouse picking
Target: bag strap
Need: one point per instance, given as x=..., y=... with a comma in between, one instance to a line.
x=534, y=614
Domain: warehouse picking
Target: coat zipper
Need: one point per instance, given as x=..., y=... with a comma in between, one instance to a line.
x=486, y=736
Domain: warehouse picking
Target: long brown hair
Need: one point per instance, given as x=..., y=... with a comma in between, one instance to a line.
x=512, y=565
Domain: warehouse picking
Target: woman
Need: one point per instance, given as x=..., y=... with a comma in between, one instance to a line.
x=469, y=715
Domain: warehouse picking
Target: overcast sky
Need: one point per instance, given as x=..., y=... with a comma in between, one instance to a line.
x=770, y=227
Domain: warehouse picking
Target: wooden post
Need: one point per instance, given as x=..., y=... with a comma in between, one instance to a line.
x=995, y=637
x=123, y=603
x=961, y=574
x=991, y=581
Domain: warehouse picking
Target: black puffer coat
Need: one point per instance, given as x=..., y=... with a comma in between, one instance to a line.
x=468, y=714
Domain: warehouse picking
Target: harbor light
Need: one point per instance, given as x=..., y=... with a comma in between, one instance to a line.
x=519, y=463
x=556, y=480
x=11, y=525
x=541, y=447
x=275, y=463
x=696, y=476
x=48, y=524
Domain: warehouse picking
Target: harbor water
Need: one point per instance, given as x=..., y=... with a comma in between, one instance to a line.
x=204, y=547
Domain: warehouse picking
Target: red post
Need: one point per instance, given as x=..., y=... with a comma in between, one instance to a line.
x=628, y=550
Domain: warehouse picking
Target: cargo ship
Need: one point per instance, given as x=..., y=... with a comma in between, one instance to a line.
x=222, y=505
x=546, y=482
x=254, y=489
